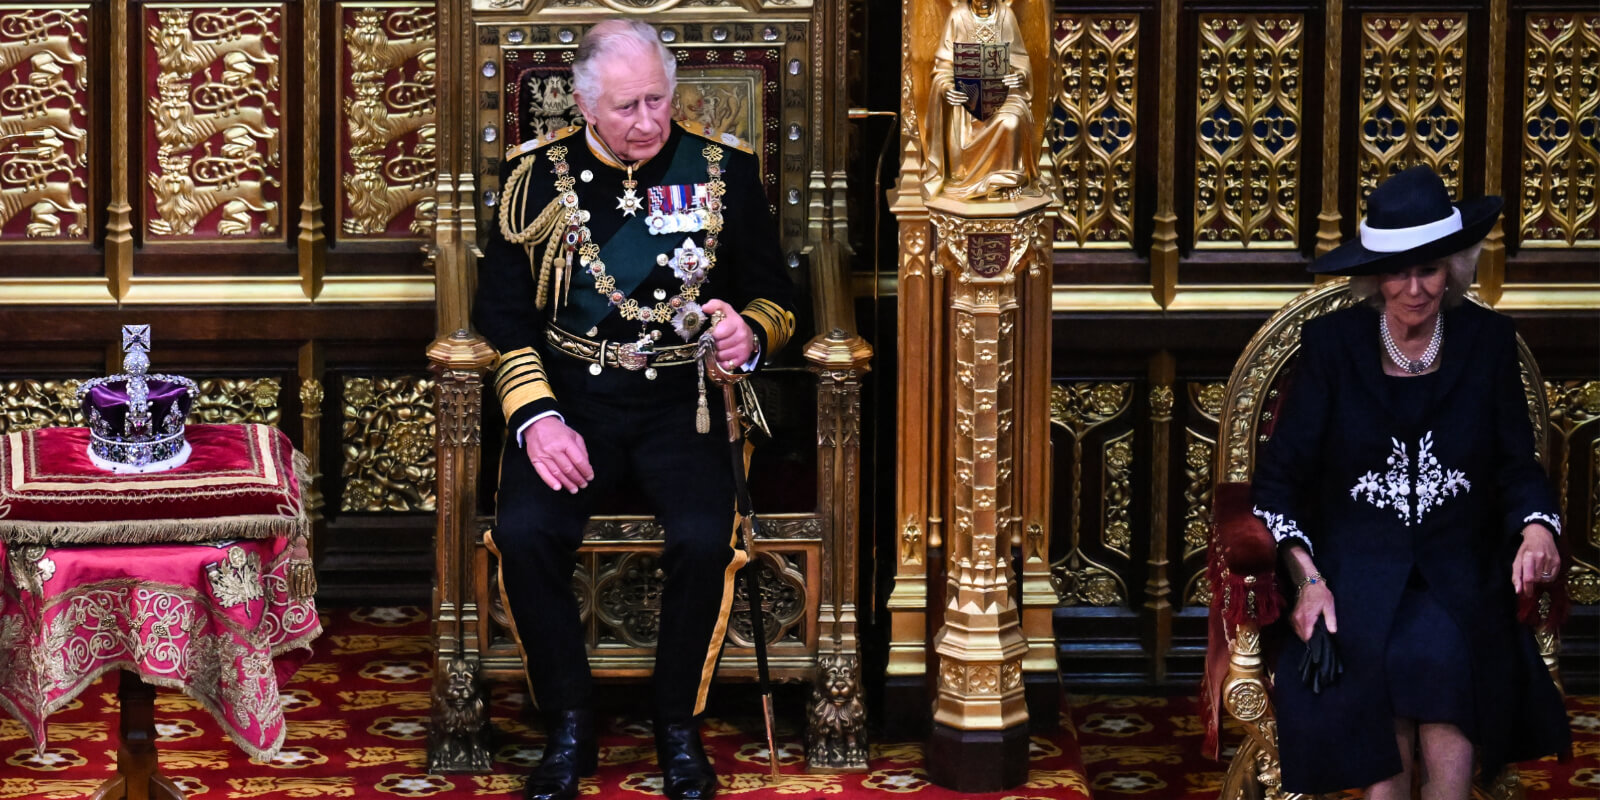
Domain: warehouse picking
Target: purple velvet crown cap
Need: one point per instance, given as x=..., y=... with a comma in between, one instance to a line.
x=136, y=420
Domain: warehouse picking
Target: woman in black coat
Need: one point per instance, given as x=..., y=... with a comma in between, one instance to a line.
x=1402, y=487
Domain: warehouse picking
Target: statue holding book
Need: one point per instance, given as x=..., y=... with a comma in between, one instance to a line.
x=979, y=134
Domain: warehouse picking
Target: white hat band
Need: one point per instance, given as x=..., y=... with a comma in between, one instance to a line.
x=1394, y=240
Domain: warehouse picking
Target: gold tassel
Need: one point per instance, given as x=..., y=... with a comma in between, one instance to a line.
x=302, y=580
x=702, y=412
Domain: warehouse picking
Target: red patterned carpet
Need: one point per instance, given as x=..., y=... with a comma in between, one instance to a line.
x=358, y=718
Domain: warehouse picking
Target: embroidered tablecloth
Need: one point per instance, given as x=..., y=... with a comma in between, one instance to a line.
x=226, y=622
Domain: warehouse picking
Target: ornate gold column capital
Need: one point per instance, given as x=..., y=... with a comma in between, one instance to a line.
x=462, y=350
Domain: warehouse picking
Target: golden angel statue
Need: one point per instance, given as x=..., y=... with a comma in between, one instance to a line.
x=979, y=137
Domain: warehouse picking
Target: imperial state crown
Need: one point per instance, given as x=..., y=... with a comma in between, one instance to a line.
x=136, y=419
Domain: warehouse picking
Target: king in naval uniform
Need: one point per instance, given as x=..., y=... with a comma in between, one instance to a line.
x=617, y=245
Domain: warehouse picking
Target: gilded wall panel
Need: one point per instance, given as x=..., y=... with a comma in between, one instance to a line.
x=26, y=404
x=1092, y=128
x=1413, y=97
x=387, y=441
x=1079, y=408
x=213, y=121
x=1247, y=131
x=1199, y=453
x=387, y=119
x=232, y=400
x=29, y=404
x=1561, y=130
x=44, y=102
x=1116, y=465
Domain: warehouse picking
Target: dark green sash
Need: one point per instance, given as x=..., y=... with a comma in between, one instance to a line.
x=631, y=253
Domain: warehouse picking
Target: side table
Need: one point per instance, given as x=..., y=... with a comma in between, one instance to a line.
x=226, y=621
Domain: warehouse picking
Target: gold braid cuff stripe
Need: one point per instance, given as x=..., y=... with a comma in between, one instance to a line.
x=520, y=380
x=774, y=320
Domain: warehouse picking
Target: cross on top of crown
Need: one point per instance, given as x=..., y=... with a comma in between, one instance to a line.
x=136, y=348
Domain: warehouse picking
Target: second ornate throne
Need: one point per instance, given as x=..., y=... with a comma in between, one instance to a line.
x=1249, y=598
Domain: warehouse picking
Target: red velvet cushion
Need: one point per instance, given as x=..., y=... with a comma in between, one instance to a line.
x=241, y=482
x=1247, y=545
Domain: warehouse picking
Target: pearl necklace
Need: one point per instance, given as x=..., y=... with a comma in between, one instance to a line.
x=1400, y=360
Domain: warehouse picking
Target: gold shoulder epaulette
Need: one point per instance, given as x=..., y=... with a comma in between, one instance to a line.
x=540, y=141
x=707, y=132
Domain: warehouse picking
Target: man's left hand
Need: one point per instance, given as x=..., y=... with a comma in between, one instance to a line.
x=735, y=341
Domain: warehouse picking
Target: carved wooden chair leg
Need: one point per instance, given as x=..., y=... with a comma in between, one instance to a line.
x=138, y=775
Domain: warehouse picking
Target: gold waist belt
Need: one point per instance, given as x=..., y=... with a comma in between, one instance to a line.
x=627, y=355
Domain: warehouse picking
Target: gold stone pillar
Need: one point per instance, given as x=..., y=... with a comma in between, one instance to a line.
x=980, y=738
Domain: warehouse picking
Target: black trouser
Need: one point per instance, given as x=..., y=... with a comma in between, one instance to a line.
x=641, y=438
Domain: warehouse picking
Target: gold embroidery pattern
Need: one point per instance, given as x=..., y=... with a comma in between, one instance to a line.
x=236, y=579
x=179, y=637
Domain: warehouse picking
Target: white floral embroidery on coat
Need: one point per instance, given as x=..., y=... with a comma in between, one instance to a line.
x=1282, y=527
x=1391, y=490
x=1550, y=521
x=1434, y=483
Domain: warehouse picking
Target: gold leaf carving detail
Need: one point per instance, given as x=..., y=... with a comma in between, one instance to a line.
x=214, y=115
x=390, y=120
x=43, y=99
x=1081, y=406
x=1088, y=584
x=1117, y=464
x=1560, y=164
x=1207, y=398
x=230, y=400
x=388, y=444
x=1199, y=453
x=1093, y=129
x=1413, y=98
x=30, y=404
x=1247, y=131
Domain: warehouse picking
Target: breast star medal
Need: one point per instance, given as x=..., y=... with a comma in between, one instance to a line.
x=629, y=201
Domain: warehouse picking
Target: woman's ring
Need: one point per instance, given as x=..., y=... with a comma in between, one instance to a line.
x=1544, y=574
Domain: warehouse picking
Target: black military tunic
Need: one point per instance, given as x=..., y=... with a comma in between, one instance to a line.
x=558, y=322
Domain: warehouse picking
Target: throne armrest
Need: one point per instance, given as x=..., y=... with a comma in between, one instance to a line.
x=1244, y=561
x=1244, y=598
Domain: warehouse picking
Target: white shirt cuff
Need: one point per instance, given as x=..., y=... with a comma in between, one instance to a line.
x=536, y=418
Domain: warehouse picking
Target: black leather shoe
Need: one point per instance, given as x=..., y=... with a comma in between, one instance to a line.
x=686, y=773
x=570, y=753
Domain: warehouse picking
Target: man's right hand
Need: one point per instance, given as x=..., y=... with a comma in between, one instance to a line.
x=558, y=454
x=955, y=97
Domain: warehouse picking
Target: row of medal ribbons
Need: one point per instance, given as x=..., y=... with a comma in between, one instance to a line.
x=678, y=209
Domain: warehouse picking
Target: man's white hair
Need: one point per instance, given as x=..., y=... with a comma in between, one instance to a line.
x=620, y=37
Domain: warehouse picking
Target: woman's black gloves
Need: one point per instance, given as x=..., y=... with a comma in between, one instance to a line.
x=1320, y=667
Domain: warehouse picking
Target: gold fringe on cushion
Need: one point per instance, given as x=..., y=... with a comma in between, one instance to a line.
x=297, y=529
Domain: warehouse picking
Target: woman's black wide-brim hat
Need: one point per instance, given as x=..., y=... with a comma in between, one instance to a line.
x=1410, y=220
